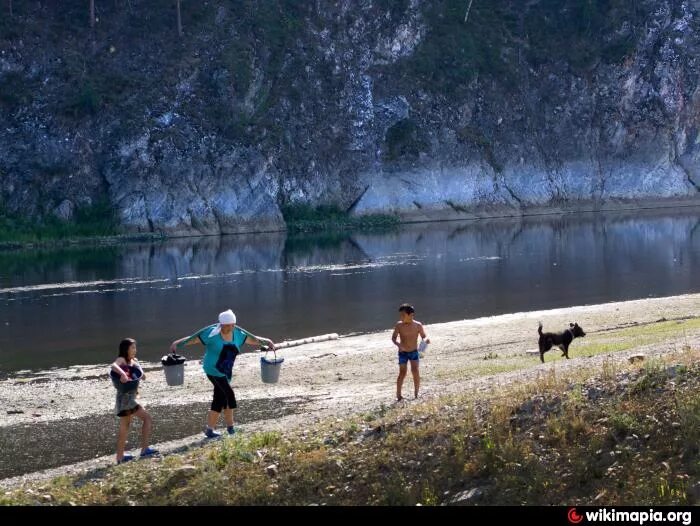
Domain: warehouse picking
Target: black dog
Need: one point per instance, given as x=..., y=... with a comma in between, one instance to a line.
x=560, y=339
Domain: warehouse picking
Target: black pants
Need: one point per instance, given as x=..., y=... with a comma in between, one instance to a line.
x=223, y=394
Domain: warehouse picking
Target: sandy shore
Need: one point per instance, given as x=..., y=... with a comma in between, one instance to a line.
x=320, y=380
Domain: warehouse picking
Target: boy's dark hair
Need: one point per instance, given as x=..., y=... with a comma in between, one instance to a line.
x=124, y=348
x=407, y=308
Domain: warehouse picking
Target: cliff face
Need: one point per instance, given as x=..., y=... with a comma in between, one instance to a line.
x=372, y=105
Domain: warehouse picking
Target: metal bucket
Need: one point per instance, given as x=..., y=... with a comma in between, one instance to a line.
x=270, y=369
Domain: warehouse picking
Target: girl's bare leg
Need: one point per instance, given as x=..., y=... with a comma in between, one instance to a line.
x=146, y=428
x=124, y=422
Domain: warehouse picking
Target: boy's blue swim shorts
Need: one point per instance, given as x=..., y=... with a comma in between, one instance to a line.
x=405, y=356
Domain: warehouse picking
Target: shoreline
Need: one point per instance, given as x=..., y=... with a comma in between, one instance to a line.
x=406, y=218
x=324, y=380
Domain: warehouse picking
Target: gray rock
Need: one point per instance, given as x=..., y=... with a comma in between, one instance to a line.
x=65, y=210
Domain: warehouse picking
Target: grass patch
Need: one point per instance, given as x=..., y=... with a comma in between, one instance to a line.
x=302, y=218
x=627, y=338
x=661, y=327
x=652, y=376
x=97, y=220
x=688, y=408
x=591, y=349
x=539, y=442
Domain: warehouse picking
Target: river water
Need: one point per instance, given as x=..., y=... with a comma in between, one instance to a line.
x=73, y=305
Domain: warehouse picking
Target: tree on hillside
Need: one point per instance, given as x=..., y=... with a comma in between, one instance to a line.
x=10, y=2
x=466, y=15
x=92, y=14
x=179, y=19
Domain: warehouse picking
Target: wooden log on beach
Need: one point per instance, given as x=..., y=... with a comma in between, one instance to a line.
x=304, y=341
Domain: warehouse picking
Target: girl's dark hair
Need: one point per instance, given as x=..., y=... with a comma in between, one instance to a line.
x=124, y=348
x=407, y=308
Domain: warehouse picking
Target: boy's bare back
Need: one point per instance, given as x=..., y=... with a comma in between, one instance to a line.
x=408, y=333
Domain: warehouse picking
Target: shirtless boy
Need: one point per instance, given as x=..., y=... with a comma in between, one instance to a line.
x=408, y=330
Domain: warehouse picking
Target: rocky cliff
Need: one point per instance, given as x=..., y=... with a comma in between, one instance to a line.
x=425, y=109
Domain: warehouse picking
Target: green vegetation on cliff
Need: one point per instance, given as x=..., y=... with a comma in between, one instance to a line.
x=97, y=220
x=306, y=218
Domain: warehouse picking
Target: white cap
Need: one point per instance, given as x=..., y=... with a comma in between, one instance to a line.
x=227, y=317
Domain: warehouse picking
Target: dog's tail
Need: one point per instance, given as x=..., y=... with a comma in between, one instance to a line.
x=539, y=327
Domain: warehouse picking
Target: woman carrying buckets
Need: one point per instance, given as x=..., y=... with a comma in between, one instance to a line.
x=222, y=342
